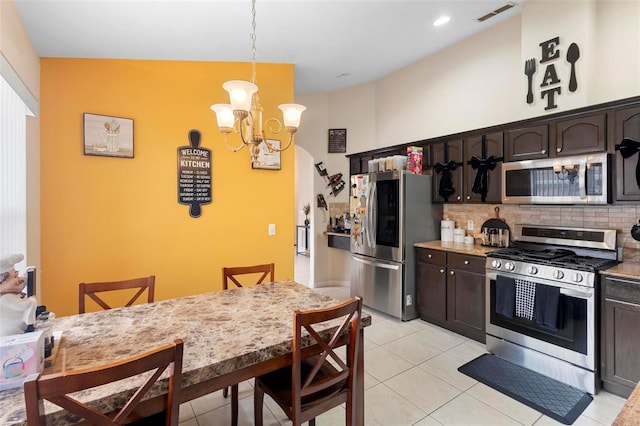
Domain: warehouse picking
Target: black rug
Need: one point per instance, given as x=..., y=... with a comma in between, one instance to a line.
x=548, y=396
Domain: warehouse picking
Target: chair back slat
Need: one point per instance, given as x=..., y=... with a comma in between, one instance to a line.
x=91, y=289
x=57, y=387
x=232, y=273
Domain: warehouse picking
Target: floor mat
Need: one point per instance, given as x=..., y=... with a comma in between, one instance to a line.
x=548, y=396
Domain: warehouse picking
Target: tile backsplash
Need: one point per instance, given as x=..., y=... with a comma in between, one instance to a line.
x=620, y=218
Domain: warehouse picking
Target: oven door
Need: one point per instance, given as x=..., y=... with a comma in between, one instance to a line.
x=561, y=180
x=573, y=341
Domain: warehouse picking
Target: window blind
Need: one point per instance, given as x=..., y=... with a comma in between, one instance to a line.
x=13, y=172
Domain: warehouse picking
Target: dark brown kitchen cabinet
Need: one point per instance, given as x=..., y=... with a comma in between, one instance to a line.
x=491, y=145
x=625, y=123
x=527, y=143
x=451, y=291
x=620, y=341
x=581, y=135
x=447, y=161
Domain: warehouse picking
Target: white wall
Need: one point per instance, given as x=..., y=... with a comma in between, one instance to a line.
x=480, y=82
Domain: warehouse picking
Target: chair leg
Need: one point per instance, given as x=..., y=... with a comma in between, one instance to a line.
x=258, y=399
x=225, y=392
x=312, y=422
x=234, y=405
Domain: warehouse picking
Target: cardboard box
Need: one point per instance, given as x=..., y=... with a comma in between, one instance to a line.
x=414, y=159
x=20, y=356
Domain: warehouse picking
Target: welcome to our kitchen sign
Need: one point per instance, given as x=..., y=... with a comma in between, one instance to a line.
x=542, y=73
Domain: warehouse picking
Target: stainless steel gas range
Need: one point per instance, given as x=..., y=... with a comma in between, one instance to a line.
x=541, y=301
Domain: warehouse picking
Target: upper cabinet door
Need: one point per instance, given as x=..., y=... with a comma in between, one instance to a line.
x=581, y=135
x=447, y=161
x=527, y=143
x=484, y=175
x=625, y=123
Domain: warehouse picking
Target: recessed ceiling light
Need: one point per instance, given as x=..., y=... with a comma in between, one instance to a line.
x=441, y=21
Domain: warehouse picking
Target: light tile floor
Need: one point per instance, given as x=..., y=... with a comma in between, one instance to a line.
x=411, y=378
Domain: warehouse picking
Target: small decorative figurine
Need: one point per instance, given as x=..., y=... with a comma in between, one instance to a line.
x=17, y=311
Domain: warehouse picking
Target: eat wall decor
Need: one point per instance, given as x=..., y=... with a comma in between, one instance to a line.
x=551, y=55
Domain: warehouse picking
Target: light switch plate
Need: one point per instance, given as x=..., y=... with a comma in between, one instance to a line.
x=272, y=229
x=469, y=225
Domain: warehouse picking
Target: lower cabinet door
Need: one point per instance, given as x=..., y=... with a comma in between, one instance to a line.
x=431, y=288
x=465, y=303
x=621, y=346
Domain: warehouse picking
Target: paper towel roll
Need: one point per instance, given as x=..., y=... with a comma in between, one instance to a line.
x=446, y=230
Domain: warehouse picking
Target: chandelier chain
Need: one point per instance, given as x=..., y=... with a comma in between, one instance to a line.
x=253, y=41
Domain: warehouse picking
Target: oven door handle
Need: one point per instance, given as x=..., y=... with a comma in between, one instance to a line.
x=577, y=294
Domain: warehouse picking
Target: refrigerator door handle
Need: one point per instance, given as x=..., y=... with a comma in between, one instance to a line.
x=372, y=215
x=376, y=264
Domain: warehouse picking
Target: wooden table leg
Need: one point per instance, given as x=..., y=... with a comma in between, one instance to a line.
x=359, y=406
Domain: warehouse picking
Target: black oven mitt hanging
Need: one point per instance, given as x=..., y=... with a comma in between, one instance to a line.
x=627, y=148
x=446, y=189
x=483, y=166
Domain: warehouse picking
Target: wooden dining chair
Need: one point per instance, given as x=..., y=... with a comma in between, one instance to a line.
x=317, y=383
x=231, y=274
x=57, y=387
x=90, y=290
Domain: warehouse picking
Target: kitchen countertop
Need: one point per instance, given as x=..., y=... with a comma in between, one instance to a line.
x=630, y=413
x=474, y=250
x=629, y=268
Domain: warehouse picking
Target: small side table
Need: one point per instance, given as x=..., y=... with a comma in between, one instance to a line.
x=302, y=240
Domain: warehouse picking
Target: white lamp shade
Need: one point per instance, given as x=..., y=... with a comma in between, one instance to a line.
x=240, y=94
x=291, y=114
x=224, y=114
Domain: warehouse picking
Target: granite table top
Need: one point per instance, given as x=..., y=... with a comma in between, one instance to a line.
x=223, y=332
x=471, y=249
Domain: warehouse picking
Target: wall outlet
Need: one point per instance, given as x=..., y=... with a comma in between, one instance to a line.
x=469, y=225
x=409, y=300
x=272, y=229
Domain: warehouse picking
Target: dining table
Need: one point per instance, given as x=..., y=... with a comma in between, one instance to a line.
x=229, y=336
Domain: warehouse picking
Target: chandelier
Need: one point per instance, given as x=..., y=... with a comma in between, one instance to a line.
x=243, y=115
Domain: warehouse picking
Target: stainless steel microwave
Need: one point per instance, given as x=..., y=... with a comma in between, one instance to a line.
x=580, y=179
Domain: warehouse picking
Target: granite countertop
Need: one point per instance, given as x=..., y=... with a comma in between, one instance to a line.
x=630, y=413
x=222, y=332
x=629, y=268
x=472, y=249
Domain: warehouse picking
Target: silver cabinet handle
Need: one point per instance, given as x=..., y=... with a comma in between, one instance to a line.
x=442, y=271
x=544, y=151
x=466, y=262
x=429, y=256
x=459, y=197
x=559, y=149
x=468, y=197
x=451, y=272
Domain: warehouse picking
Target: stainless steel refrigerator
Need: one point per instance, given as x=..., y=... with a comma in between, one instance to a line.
x=390, y=212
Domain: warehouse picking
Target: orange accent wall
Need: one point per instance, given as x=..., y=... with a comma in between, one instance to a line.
x=109, y=219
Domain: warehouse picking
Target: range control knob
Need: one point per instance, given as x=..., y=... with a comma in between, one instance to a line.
x=577, y=277
x=509, y=266
x=496, y=264
x=532, y=270
x=558, y=274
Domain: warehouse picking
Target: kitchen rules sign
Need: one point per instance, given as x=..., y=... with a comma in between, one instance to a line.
x=194, y=174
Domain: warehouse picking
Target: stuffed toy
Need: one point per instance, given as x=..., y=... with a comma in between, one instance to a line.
x=17, y=311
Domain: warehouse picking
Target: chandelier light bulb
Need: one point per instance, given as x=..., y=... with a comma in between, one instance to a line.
x=291, y=114
x=240, y=94
x=224, y=116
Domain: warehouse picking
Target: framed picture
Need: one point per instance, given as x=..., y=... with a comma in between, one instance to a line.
x=337, y=140
x=108, y=136
x=267, y=159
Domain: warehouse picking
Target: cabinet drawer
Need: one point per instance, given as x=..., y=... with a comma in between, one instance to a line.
x=621, y=289
x=465, y=261
x=437, y=257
